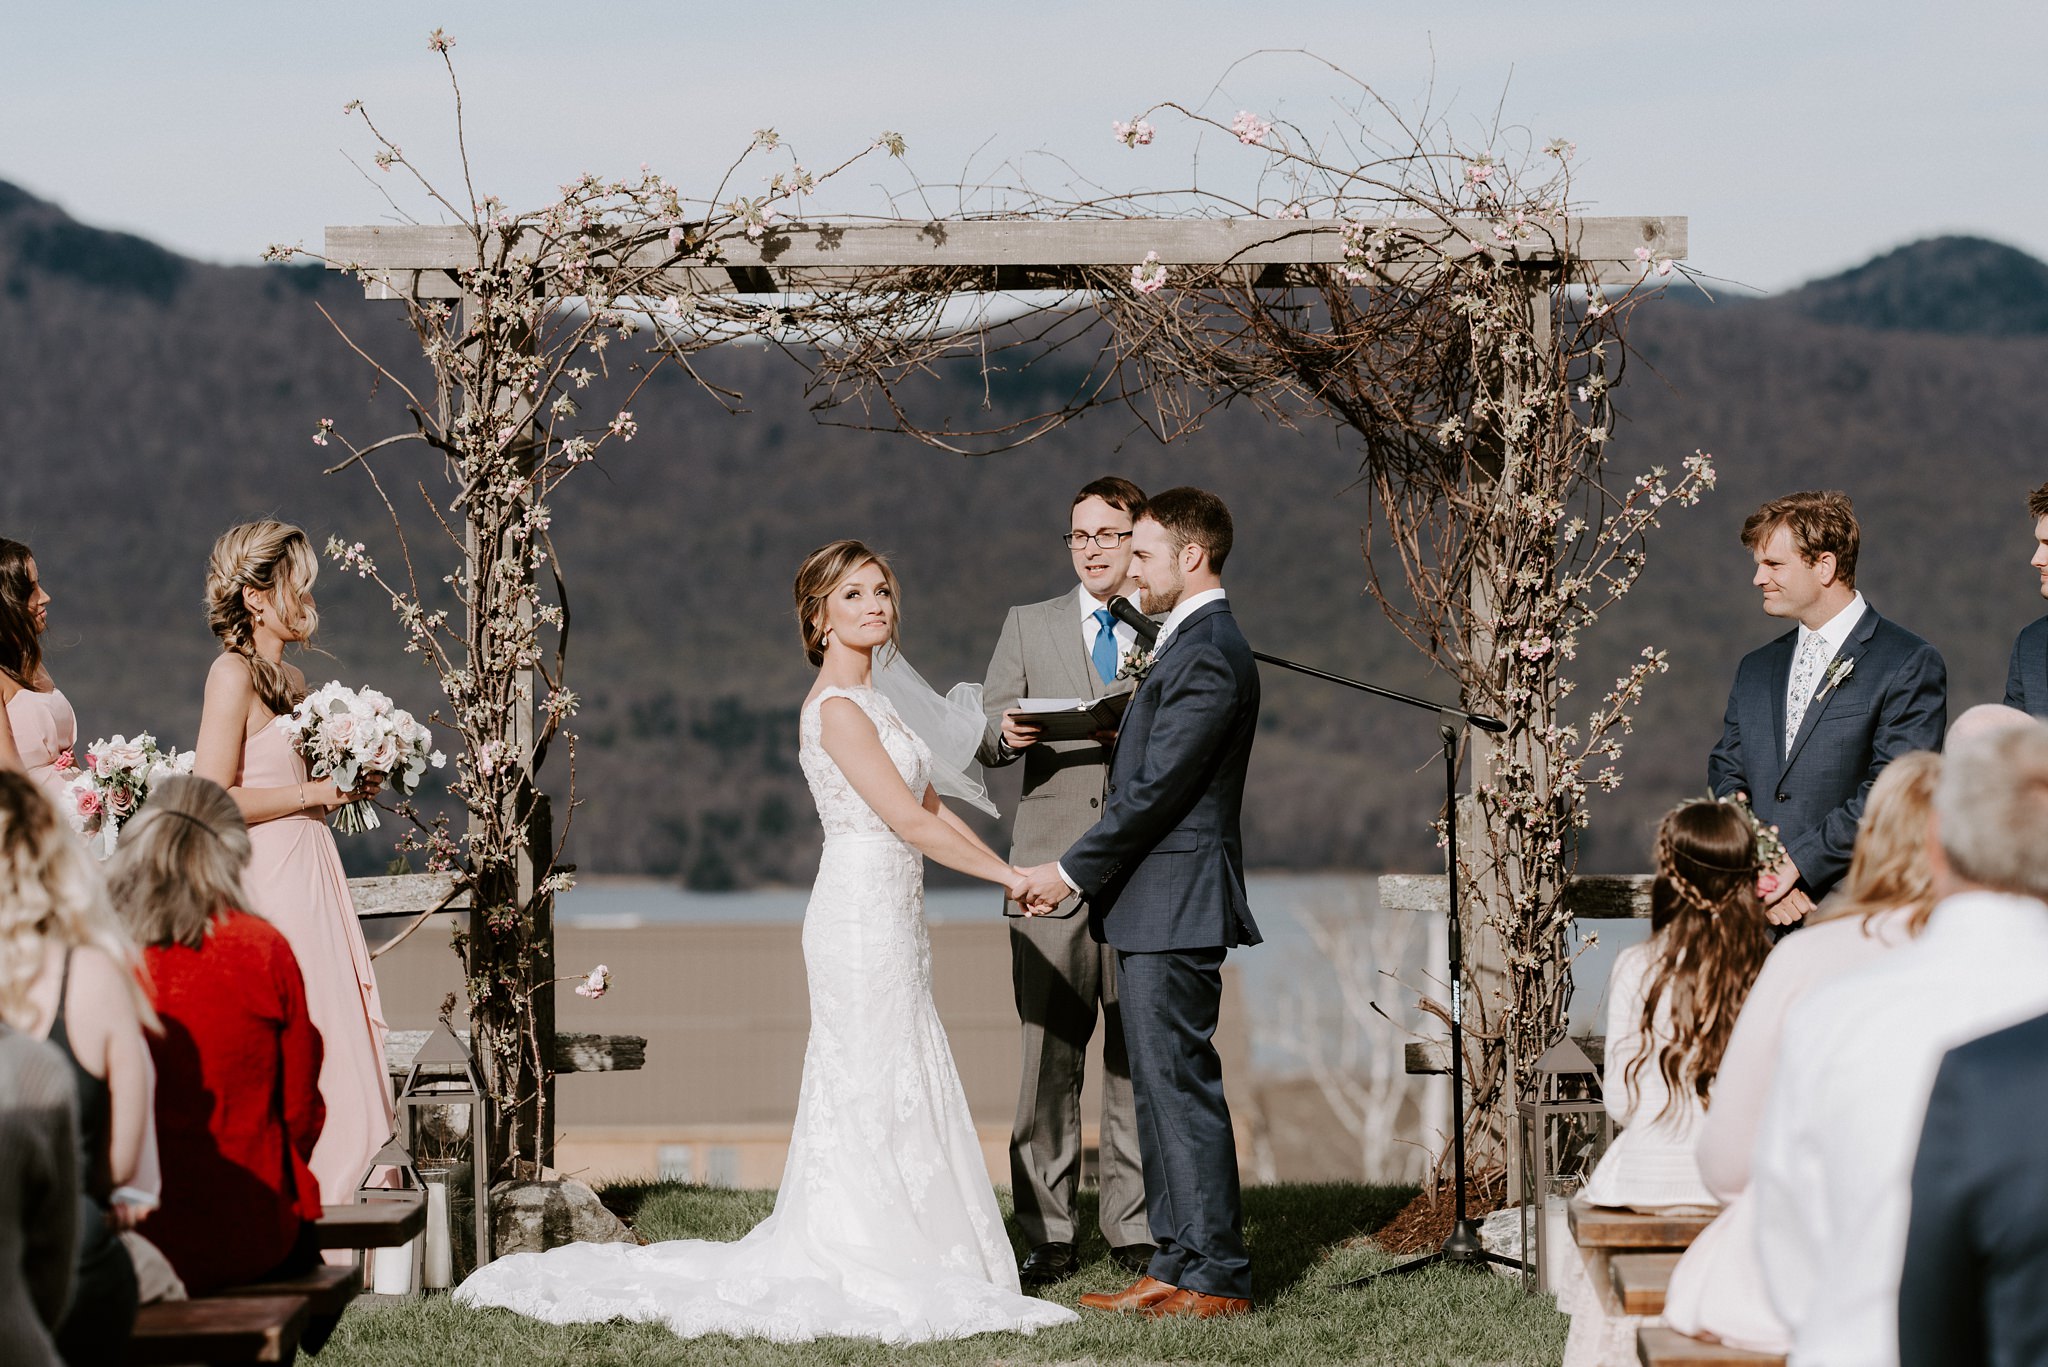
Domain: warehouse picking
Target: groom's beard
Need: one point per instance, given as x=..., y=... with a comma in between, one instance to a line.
x=1153, y=602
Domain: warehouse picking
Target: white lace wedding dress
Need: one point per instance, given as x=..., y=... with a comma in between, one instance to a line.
x=885, y=1226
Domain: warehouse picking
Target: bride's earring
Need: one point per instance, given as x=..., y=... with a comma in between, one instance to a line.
x=827, y=641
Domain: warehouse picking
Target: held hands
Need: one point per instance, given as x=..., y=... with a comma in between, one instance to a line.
x=1786, y=904
x=1041, y=890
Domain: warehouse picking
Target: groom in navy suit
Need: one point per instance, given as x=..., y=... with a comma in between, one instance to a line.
x=1814, y=715
x=2026, y=678
x=1163, y=874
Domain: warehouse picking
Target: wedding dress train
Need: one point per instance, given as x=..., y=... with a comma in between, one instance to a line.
x=885, y=1226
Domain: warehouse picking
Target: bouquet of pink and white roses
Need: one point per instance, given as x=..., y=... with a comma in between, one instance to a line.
x=348, y=735
x=114, y=783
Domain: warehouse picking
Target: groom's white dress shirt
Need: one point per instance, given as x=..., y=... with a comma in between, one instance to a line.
x=1834, y=1156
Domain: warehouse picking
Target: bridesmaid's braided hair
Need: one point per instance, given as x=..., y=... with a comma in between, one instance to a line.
x=1710, y=936
x=21, y=646
x=273, y=558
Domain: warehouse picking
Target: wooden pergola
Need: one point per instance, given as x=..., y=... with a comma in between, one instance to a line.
x=1000, y=255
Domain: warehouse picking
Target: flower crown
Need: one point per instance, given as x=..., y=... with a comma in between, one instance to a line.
x=1770, y=851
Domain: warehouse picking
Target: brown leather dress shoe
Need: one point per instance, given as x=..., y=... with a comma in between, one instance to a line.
x=1145, y=1291
x=1194, y=1305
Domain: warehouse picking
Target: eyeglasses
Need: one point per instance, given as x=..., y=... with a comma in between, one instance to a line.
x=1109, y=541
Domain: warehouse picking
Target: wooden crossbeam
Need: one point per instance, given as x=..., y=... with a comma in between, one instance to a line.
x=419, y=259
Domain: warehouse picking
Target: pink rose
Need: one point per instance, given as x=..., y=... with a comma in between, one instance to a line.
x=121, y=802
x=65, y=763
x=88, y=802
x=1766, y=885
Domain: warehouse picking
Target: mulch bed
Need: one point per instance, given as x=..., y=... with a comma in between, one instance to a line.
x=1425, y=1222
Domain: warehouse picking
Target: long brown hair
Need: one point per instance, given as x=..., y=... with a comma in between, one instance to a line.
x=274, y=558
x=1708, y=922
x=21, y=645
x=1889, y=869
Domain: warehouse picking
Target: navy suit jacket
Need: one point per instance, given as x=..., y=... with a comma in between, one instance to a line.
x=1977, y=1245
x=1164, y=867
x=1894, y=700
x=2026, y=678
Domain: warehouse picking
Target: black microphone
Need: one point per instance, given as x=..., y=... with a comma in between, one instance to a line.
x=1122, y=609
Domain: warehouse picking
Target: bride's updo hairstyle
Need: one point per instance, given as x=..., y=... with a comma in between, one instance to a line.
x=21, y=646
x=180, y=862
x=824, y=570
x=273, y=558
x=1712, y=937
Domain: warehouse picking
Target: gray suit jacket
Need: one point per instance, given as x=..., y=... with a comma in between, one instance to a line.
x=2026, y=678
x=1039, y=655
x=1164, y=867
x=1894, y=700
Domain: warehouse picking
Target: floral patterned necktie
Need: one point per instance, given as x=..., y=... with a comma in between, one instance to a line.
x=1806, y=671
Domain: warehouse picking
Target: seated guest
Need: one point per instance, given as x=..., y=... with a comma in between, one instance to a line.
x=1835, y=1147
x=1671, y=1004
x=238, y=1063
x=1717, y=1290
x=1976, y=1264
x=67, y=974
x=38, y=1197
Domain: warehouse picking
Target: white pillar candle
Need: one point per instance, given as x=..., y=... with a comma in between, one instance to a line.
x=391, y=1271
x=440, y=1269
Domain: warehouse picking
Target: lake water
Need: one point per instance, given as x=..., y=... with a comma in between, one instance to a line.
x=1285, y=966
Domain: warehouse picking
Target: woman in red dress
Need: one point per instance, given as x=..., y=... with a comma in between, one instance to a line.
x=238, y=1063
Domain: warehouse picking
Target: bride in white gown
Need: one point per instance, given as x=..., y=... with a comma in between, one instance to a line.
x=885, y=1226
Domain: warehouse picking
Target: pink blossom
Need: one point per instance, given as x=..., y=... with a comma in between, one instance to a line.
x=1136, y=133
x=1766, y=885
x=88, y=802
x=439, y=41
x=1536, y=648
x=1479, y=172
x=1150, y=277
x=596, y=984
x=1294, y=210
x=1250, y=129
x=64, y=762
x=323, y=432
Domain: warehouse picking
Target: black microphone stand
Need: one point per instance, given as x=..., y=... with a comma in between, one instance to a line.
x=1463, y=1247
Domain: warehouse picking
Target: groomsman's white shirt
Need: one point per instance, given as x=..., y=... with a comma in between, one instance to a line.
x=1834, y=633
x=1834, y=1156
x=1173, y=620
x=1091, y=628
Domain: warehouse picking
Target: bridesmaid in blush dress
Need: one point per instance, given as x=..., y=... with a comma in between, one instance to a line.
x=259, y=595
x=37, y=726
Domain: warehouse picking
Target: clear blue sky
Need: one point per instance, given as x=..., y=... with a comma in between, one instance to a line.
x=1799, y=137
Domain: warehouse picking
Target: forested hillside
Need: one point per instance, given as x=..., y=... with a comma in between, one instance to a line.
x=151, y=401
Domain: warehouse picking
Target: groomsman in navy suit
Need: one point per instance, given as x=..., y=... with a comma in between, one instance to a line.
x=1814, y=715
x=2026, y=678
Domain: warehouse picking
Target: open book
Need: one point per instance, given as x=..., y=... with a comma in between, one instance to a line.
x=1073, y=718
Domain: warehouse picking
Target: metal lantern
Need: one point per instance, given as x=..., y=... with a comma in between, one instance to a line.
x=447, y=1123
x=389, y=1275
x=1564, y=1128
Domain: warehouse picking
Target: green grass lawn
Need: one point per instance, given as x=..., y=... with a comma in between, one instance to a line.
x=1304, y=1315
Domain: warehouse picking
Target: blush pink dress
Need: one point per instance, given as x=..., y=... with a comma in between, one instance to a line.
x=44, y=728
x=295, y=882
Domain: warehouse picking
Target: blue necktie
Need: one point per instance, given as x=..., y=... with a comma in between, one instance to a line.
x=1104, y=653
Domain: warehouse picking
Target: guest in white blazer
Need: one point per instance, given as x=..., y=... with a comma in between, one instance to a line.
x=1835, y=1150
x=1671, y=1007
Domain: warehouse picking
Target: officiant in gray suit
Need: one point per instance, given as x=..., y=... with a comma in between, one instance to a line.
x=1067, y=647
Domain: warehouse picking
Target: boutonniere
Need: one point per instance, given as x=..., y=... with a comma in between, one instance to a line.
x=1837, y=672
x=1136, y=664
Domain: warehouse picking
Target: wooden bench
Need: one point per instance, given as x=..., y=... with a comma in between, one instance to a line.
x=1639, y=1280
x=219, y=1329
x=1601, y=1227
x=372, y=1224
x=1657, y=1346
